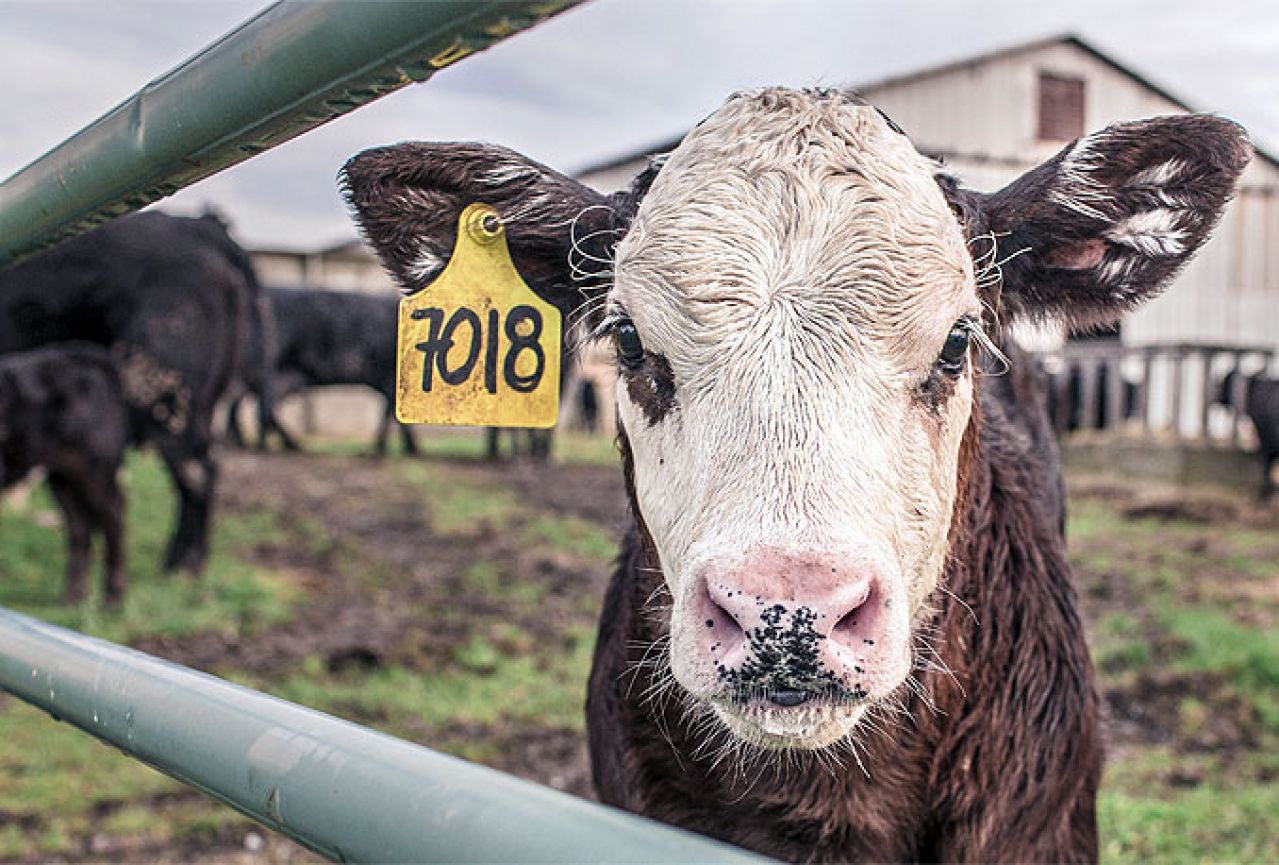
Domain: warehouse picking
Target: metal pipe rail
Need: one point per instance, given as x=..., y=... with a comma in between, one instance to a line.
x=296, y=65
x=346, y=792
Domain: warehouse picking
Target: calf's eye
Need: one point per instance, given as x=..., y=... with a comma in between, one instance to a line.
x=954, y=353
x=629, y=348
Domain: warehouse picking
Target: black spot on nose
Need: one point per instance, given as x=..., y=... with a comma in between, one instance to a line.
x=789, y=698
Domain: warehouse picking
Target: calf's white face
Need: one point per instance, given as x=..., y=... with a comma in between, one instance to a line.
x=794, y=275
x=793, y=304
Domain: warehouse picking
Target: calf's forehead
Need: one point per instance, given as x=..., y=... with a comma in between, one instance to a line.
x=809, y=202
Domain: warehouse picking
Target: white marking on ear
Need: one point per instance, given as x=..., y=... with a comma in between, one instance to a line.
x=499, y=175
x=1158, y=175
x=1076, y=189
x=1151, y=233
x=425, y=264
x=1117, y=269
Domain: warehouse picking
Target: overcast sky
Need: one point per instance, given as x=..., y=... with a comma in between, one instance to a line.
x=609, y=77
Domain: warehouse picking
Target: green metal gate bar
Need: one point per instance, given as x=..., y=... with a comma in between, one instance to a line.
x=348, y=793
x=295, y=66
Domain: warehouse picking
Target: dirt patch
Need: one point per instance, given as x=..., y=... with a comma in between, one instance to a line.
x=590, y=492
x=1191, y=712
x=1205, y=511
x=1166, y=502
x=382, y=586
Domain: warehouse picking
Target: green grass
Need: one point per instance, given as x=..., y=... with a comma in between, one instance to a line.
x=1119, y=643
x=1247, y=657
x=1206, y=824
x=485, y=684
x=457, y=505
x=574, y=448
x=231, y=596
x=434, y=442
x=62, y=787
x=1178, y=598
x=490, y=580
x=1193, y=607
x=587, y=541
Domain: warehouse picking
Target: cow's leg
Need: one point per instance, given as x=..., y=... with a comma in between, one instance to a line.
x=194, y=475
x=107, y=509
x=267, y=422
x=283, y=385
x=76, y=517
x=1268, y=460
x=234, y=431
x=541, y=441
x=286, y=439
x=410, y=440
x=384, y=428
x=492, y=448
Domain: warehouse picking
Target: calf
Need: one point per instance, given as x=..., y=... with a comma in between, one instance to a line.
x=326, y=338
x=842, y=626
x=170, y=298
x=1261, y=404
x=62, y=408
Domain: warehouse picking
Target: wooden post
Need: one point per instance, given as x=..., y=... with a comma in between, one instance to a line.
x=1115, y=391
x=1238, y=401
x=1206, y=396
x=1088, y=393
x=1147, y=379
x=1176, y=358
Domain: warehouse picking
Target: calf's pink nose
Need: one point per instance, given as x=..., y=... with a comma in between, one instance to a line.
x=787, y=618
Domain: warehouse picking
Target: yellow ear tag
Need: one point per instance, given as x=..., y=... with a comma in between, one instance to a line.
x=477, y=346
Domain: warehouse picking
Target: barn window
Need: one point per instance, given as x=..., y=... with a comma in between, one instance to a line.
x=1061, y=107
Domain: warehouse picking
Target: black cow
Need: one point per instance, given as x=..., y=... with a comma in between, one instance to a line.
x=170, y=297
x=1261, y=403
x=62, y=408
x=321, y=338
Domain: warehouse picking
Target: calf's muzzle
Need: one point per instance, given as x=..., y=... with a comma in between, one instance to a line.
x=786, y=627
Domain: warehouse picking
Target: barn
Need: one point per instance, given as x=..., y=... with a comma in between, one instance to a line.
x=991, y=117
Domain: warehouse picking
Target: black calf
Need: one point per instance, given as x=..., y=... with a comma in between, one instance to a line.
x=62, y=408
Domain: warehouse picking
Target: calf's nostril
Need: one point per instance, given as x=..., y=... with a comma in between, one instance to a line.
x=789, y=698
x=859, y=619
x=718, y=622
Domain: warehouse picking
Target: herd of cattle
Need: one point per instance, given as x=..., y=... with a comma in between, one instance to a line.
x=133, y=334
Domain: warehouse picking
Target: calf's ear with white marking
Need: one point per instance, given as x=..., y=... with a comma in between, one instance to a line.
x=407, y=197
x=1107, y=222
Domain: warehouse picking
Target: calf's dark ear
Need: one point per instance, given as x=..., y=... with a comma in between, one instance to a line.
x=407, y=197
x=1107, y=222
